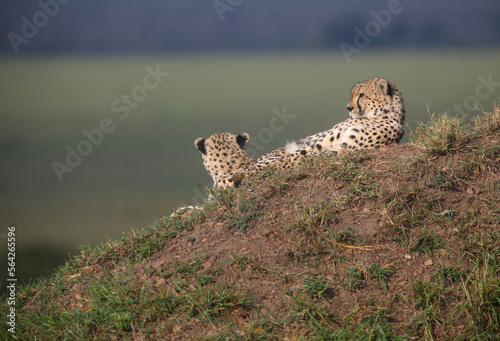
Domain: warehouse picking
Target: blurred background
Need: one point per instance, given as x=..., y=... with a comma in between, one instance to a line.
x=101, y=100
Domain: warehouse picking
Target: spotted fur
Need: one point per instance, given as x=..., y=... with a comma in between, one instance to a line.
x=377, y=118
x=224, y=156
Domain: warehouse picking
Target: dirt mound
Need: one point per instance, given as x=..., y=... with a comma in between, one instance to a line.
x=396, y=243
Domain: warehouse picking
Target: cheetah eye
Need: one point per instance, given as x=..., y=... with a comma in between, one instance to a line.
x=359, y=98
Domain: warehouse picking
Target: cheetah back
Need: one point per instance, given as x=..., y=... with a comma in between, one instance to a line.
x=377, y=118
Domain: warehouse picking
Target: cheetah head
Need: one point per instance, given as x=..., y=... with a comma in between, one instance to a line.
x=223, y=154
x=373, y=98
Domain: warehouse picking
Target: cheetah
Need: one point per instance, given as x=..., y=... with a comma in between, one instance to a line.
x=377, y=118
x=224, y=156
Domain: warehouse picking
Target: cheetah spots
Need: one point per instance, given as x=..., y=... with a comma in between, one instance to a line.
x=382, y=122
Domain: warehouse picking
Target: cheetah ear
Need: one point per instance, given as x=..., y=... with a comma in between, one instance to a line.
x=200, y=144
x=385, y=86
x=242, y=139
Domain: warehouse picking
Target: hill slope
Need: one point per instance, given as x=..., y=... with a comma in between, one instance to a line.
x=399, y=243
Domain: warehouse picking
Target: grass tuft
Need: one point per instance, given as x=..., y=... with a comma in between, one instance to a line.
x=488, y=123
x=442, y=135
x=317, y=289
x=481, y=301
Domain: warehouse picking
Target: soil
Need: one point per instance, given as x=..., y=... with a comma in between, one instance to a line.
x=307, y=227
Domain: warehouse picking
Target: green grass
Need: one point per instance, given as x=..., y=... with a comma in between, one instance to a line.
x=355, y=278
x=381, y=273
x=481, y=293
x=487, y=123
x=312, y=314
x=112, y=304
x=427, y=294
x=186, y=268
x=115, y=303
x=427, y=242
x=240, y=211
x=441, y=135
x=312, y=239
x=213, y=302
x=316, y=288
x=357, y=275
x=451, y=274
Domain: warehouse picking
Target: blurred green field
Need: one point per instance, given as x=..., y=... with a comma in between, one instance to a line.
x=149, y=164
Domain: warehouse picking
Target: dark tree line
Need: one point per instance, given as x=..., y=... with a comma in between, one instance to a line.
x=71, y=26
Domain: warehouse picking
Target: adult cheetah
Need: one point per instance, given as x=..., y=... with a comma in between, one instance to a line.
x=377, y=118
